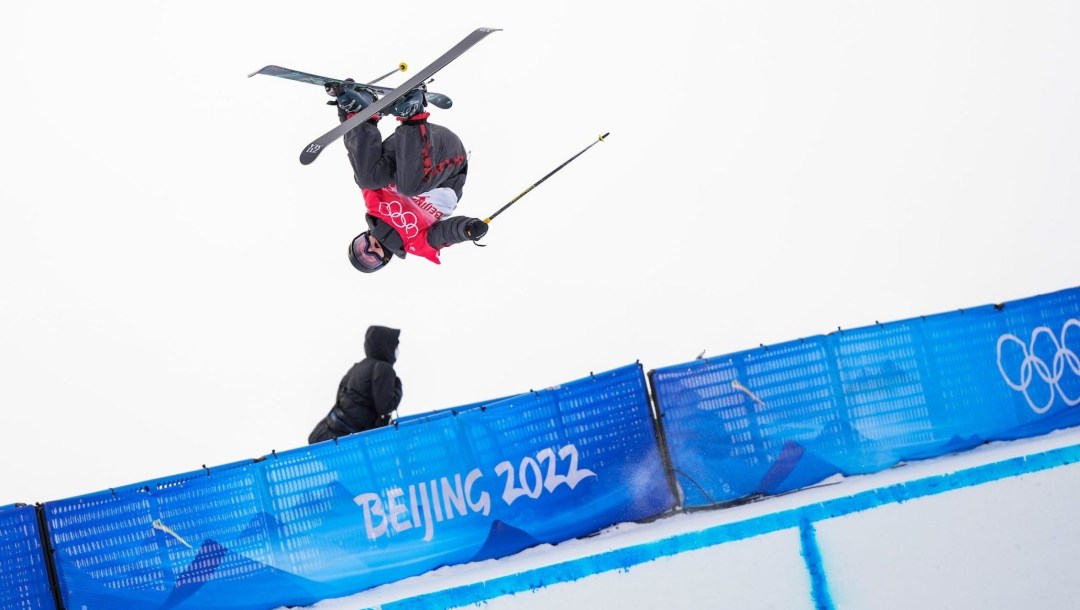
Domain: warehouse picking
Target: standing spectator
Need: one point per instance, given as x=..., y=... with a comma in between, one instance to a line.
x=369, y=393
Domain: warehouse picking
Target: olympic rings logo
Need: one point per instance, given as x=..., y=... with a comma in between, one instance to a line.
x=1032, y=365
x=401, y=219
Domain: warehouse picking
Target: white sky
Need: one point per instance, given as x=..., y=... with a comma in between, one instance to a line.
x=175, y=290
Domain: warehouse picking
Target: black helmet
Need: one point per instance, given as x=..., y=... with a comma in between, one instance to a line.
x=364, y=258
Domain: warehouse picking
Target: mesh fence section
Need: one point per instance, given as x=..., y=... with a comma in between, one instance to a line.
x=326, y=520
x=24, y=577
x=160, y=542
x=957, y=410
x=108, y=537
x=727, y=420
x=337, y=491
x=601, y=424
x=778, y=418
x=882, y=386
x=1038, y=360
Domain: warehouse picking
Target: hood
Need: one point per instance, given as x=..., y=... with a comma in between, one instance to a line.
x=381, y=342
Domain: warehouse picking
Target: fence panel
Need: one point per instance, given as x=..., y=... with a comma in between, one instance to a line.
x=24, y=576
x=327, y=520
x=782, y=417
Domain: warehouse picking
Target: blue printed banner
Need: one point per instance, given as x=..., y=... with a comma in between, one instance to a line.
x=24, y=576
x=779, y=418
x=459, y=485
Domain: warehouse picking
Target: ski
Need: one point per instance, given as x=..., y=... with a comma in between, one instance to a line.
x=311, y=151
x=436, y=99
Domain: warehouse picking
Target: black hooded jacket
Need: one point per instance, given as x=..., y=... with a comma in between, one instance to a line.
x=371, y=390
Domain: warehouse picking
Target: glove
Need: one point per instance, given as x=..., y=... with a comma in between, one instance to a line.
x=475, y=229
x=454, y=230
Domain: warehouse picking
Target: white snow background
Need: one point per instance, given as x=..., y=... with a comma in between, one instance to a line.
x=175, y=290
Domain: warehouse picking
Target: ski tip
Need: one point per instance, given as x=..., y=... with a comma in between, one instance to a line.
x=310, y=153
x=263, y=69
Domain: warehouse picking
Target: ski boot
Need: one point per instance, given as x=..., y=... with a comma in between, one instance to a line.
x=350, y=97
x=410, y=104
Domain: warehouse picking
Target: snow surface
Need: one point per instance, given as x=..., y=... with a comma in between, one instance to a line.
x=1007, y=543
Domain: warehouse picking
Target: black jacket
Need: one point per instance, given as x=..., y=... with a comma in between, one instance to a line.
x=371, y=390
x=416, y=158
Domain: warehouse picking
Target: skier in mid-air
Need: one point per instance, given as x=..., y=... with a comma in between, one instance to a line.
x=411, y=181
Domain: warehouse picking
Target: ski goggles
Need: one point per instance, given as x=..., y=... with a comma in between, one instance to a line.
x=363, y=257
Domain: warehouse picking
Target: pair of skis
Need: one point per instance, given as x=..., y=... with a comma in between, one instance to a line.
x=390, y=96
x=312, y=150
x=438, y=100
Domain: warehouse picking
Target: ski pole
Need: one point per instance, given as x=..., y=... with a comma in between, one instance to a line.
x=334, y=88
x=400, y=68
x=537, y=183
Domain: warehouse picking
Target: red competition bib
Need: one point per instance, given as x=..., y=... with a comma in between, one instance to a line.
x=411, y=217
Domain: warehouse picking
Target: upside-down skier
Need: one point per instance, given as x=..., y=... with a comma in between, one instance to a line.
x=411, y=181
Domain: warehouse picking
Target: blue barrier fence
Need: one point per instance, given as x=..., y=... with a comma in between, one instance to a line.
x=491, y=478
x=341, y=516
x=782, y=417
x=24, y=576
